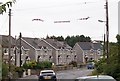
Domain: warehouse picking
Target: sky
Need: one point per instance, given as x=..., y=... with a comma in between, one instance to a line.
x=24, y=11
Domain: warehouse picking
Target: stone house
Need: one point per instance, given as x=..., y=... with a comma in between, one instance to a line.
x=87, y=51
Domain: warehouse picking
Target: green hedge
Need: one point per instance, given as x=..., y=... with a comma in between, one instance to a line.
x=37, y=65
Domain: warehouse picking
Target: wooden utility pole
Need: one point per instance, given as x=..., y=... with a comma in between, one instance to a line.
x=9, y=43
x=15, y=51
x=107, y=32
x=104, y=46
x=20, y=48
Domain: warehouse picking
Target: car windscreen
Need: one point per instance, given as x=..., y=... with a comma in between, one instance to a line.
x=47, y=72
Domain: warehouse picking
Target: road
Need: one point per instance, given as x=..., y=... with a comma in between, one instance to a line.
x=64, y=75
x=72, y=74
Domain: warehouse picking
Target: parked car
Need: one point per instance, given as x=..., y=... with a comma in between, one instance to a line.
x=96, y=78
x=90, y=65
x=47, y=75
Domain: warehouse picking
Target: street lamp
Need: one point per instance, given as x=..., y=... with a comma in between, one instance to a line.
x=107, y=31
x=104, y=46
x=101, y=21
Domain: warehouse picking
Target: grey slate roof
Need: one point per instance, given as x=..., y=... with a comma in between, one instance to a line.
x=85, y=45
x=58, y=44
x=5, y=41
x=90, y=45
x=97, y=46
x=32, y=41
x=54, y=43
x=65, y=45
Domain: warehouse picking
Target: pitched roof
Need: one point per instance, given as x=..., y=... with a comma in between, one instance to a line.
x=54, y=43
x=32, y=41
x=58, y=44
x=97, y=46
x=90, y=45
x=65, y=45
x=5, y=41
x=85, y=45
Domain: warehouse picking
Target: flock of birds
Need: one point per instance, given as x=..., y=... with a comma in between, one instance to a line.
x=64, y=21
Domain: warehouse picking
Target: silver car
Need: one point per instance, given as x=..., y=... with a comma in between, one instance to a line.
x=96, y=78
x=47, y=75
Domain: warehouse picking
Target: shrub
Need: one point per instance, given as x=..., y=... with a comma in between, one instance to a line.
x=74, y=63
x=37, y=65
x=4, y=70
x=20, y=71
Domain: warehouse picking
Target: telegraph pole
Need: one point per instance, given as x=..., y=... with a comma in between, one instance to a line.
x=9, y=43
x=107, y=33
x=20, y=48
x=104, y=46
x=15, y=51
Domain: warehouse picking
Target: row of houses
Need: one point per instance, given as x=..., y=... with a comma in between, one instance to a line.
x=57, y=52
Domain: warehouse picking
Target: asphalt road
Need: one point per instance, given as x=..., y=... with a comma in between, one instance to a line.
x=65, y=75
x=72, y=74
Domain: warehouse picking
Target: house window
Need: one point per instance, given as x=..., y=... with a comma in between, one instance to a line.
x=91, y=50
x=5, y=51
x=27, y=59
x=59, y=47
x=45, y=51
x=25, y=52
x=11, y=58
x=98, y=51
x=50, y=58
x=44, y=47
x=14, y=51
x=38, y=59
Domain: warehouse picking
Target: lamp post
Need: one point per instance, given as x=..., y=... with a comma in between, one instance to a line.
x=107, y=31
x=104, y=46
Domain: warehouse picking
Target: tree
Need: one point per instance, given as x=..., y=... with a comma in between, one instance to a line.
x=74, y=39
x=3, y=6
x=114, y=58
x=118, y=42
x=60, y=38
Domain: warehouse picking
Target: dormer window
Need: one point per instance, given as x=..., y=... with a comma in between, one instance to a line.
x=59, y=47
x=40, y=47
x=44, y=47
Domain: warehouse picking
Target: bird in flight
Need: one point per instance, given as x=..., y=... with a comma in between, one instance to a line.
x=37, y=20
x=84, y=18
x=61, y=21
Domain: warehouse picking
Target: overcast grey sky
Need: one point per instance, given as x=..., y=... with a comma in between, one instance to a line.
x=23, y=11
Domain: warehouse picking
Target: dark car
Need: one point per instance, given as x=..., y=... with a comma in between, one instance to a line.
x=47, y=75
x=90, y=65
